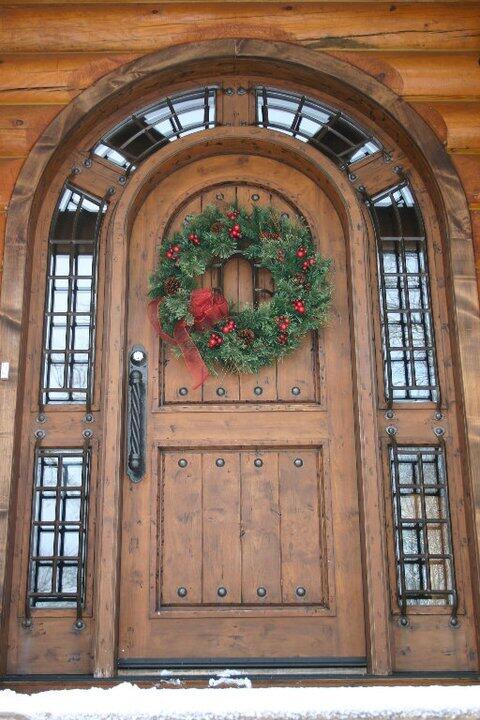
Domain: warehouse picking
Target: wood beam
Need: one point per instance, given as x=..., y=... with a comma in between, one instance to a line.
x=321, y=26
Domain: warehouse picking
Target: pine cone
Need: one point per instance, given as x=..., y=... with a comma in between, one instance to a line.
x=248, y=336
x=216, y=227
x=301, y=279
x=281, y=255
x=171, y=285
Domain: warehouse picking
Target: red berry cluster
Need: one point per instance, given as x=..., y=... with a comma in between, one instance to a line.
x=229, y=327
x=215, y=340
x=299, y=306
x=194, y=239
x=235, y=232
x=172, y=252
x=308, y=263
x=283, y=322
x=232, y=214
x=302, y=253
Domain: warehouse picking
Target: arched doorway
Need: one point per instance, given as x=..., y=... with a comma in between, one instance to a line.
x=375, y=424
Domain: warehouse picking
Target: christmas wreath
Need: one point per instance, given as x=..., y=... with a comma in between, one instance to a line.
x=201, y=323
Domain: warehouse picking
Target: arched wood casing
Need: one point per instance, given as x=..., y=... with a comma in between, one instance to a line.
x=411, y=151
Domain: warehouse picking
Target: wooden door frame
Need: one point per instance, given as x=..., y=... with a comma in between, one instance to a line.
x=342, y=194
x=54, y=153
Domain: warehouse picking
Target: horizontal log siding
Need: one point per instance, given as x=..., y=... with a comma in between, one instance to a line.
x=426, y=52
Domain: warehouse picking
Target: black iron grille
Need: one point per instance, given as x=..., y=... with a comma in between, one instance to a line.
x=59, y=528
x=69, y=327
x=152, y=127
x=423, y=538
x=329, y=130
x=410, y=371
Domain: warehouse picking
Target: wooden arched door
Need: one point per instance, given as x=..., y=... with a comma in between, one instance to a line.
x=242, y=539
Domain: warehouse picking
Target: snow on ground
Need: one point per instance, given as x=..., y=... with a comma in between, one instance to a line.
x=129, y=702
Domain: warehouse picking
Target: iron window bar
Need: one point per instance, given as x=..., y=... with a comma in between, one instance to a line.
x=154, y=126
x=61, y=480
x=422, y=561
x=72, y=272
x=410, y=365
x=327, y=129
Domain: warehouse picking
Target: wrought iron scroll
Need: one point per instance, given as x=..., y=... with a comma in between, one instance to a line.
x=136, y=413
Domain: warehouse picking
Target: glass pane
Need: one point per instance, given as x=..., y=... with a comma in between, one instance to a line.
x=72, y=470
x=42, y=579
x=46, y=506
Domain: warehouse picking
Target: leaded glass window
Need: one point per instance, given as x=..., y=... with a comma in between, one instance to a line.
x=154, y=126
x=309, y=120
x=423, y=544
x=408, y=342
x=59, y=528
x=69, y=326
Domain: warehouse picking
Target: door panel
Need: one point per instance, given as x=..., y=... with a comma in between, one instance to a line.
x=255, y=530
x=242, y=540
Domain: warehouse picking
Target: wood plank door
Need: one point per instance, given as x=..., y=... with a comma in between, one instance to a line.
x=242, y=539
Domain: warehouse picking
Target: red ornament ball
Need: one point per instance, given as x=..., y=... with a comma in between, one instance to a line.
x=232, y=214
x=283, y=338
x=194, y=239
x=215, y=340
x=301, y=252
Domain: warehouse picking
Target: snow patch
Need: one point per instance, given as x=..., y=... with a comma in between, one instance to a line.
x=129, y=702
x=223, y=680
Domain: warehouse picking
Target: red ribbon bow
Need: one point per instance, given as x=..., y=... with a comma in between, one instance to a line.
x=207, y=307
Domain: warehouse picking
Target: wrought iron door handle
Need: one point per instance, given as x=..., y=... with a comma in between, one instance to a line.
x=136, y=412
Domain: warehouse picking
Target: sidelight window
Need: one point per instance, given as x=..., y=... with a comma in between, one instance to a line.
x=69, y=324
x=152, y=127
x=423, y=537
x=306, y=119
x=59, y=528
x=410, y=370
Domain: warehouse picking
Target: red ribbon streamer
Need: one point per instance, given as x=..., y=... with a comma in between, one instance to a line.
x=207, y=308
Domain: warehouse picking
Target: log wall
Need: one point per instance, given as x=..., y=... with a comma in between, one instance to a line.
x=427, y=52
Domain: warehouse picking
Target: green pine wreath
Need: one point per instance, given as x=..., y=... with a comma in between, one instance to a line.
x=249, y=338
